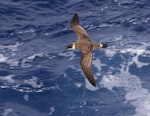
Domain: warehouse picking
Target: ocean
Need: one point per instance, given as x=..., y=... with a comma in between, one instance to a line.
x=39, y=77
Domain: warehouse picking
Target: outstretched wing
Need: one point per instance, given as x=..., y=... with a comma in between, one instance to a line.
x=86, y=61
x=78, y=29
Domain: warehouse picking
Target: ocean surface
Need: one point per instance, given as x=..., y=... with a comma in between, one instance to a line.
x=39, y=77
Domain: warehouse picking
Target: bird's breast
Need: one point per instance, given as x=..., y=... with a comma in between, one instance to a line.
x=85, y=46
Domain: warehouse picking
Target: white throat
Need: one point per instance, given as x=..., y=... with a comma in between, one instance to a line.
x=73, y=46
x=101, y=45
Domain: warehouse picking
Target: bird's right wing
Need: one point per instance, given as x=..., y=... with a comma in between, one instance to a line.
x=86, y=61
x=78, y=29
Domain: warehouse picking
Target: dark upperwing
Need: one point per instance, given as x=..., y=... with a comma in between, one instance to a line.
x=78, y=29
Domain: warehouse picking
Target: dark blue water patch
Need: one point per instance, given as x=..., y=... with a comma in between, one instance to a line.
x=145, y=78
x=67, y=100
x=143, y=4
x=72, y=77
x=139, y=29
x=100, y=101
x=144, y=59
x=114, y=61
x=41, y=73
x=4, y=66
x=92, y=99
x=98, y=2
x=39, y=101
x=47, y=5
x=4, y=73
x=143, y=73
x=140, y=72
x=9, y=95
x=61, y=33
x=11, y=37
x=15, y=97
x=10, y=10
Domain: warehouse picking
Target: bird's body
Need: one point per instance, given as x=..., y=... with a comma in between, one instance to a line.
x=86, y=46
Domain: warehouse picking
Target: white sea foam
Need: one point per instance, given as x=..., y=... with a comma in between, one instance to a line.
x=8, y=78
x=8, y=56
x=7, y=111
x=110, y=53
x=98, y=63
x=11, y=47
x=52, y=109
x=3, y=58
x=25, y=61
x=69, y=54
x=26, y=97
x=34, y=82
x=12, y=62
x=136, y=95
x=78, y=85
x=35, y=55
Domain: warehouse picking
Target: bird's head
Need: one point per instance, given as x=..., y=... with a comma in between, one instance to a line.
x=71, y=46
x=104, y=45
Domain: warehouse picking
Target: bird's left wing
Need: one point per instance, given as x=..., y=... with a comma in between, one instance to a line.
x=86, y=61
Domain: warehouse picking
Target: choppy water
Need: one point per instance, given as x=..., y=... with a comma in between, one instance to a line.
x=38, y=77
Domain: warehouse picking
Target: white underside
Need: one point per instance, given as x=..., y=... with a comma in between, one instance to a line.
x=73, y=46
x=101, y=45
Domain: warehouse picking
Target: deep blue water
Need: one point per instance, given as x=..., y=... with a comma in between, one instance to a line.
x=38, y=77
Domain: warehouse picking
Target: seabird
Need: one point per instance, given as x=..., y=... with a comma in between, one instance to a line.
x=86, y=46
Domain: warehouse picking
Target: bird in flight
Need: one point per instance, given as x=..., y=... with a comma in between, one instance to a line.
x=85, y=46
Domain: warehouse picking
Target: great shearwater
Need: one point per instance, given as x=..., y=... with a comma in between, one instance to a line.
x=86, y=46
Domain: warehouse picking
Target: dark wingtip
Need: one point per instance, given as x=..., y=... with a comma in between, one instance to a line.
x=94, y=84
x=75, y=15
x=75, y=20
x=104, y=45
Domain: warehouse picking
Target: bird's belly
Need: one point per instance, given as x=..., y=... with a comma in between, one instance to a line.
x=85, y=47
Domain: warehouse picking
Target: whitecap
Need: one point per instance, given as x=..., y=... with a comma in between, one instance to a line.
x=11, y=47
x=52, y=109
x=34, y=82
x=3, y=58
x=69, y=54
x=26, y=97
x=8, y=78
x=7, y=111
x=136, y=94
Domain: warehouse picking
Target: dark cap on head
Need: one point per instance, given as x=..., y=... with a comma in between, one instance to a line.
x=104, y=45
x=69, y=46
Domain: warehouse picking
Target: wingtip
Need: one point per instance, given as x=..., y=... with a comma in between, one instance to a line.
x=92, y=81
x=75, y=15
x=94, y=84
x=75, y=20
